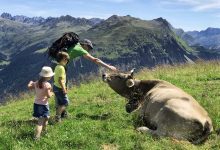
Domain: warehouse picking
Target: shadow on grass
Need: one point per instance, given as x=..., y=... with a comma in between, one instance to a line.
x=208, y=79
x=213, y=78
x=71, y=143
x=19, y=123
x=20, y=129
x=218, y=132
x=23, y=129
x=104, y=116
x=32, y=122
x=25, y=135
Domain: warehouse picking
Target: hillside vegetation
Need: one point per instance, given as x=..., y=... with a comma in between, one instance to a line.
x=122, y=41
x=98, y=119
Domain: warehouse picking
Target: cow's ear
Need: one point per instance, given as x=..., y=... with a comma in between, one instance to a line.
x=132, y=72
x=130, y=83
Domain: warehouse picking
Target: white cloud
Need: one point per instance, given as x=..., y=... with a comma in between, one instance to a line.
x=208, y=6
x=116, y=1
x=85, y=1
x=189, y=2
x=196, y=5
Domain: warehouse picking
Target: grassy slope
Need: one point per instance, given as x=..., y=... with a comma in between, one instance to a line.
x=98, y=119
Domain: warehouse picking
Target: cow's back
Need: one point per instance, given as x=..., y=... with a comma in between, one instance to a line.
x=160, y=95
x=168, y=102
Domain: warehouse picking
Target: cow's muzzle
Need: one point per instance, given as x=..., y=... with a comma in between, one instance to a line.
x=105, y=77
x=131, y=106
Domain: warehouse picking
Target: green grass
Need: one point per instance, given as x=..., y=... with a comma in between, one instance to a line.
x=98, y=119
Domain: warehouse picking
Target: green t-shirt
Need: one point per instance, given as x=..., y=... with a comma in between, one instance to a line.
x=76, y=51
x=59, y=72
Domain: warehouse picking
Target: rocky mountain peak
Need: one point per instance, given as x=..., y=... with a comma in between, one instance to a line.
x=115, y=18
x=160, y=19
x=109, y=23
x=163, y=22
x=96, y=20
x=23, y=19
x=211, y=31
x=51, y=20
x=6, y=16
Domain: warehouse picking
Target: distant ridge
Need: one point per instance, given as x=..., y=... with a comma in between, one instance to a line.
x=41, y=20
x=209, y=38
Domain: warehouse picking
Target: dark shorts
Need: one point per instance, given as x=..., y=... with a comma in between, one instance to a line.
x=61, y=99
x=41, y=111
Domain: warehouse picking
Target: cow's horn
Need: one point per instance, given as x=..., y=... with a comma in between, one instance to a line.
x=130, y=83
x=132, y=72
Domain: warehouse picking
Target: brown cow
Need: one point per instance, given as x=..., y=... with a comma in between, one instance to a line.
x=165, y=109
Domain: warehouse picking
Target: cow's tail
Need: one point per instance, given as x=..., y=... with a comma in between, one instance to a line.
x=202, y=135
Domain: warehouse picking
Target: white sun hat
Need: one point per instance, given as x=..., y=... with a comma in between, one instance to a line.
x=46, y=72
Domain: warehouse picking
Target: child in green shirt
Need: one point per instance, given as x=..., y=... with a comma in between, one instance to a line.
x=60, y=89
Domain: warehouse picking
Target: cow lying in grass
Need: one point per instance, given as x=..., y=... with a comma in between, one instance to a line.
x=165, y=109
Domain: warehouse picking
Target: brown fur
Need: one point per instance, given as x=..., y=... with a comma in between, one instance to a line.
x=165, y=109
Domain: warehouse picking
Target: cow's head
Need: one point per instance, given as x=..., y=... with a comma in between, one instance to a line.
x=123, y=83
x=120, y=82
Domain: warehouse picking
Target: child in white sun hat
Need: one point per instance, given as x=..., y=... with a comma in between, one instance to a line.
x=43, y=92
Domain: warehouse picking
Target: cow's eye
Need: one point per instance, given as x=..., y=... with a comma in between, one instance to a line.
x=119, y=77
x=129, y=77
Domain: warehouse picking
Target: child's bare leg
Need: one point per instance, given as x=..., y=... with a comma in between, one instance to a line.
x=39, y=127
x=45, y=124
x=59, y=111
x=63, y=109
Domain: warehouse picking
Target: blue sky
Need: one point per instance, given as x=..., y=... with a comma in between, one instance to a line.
x=185, y=14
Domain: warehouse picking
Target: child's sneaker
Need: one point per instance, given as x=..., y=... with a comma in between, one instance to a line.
x=57, y=118
x=64, y=114
x=36, y=138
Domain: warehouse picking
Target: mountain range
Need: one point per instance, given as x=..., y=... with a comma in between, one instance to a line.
x=123, y=41
x=41, y=20
x=209, y=38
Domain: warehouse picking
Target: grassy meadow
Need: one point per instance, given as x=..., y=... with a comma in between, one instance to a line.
x=98, y=120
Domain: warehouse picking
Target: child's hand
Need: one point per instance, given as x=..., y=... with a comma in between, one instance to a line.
x=65, y=91
x=31, y=82
x=30, y=85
